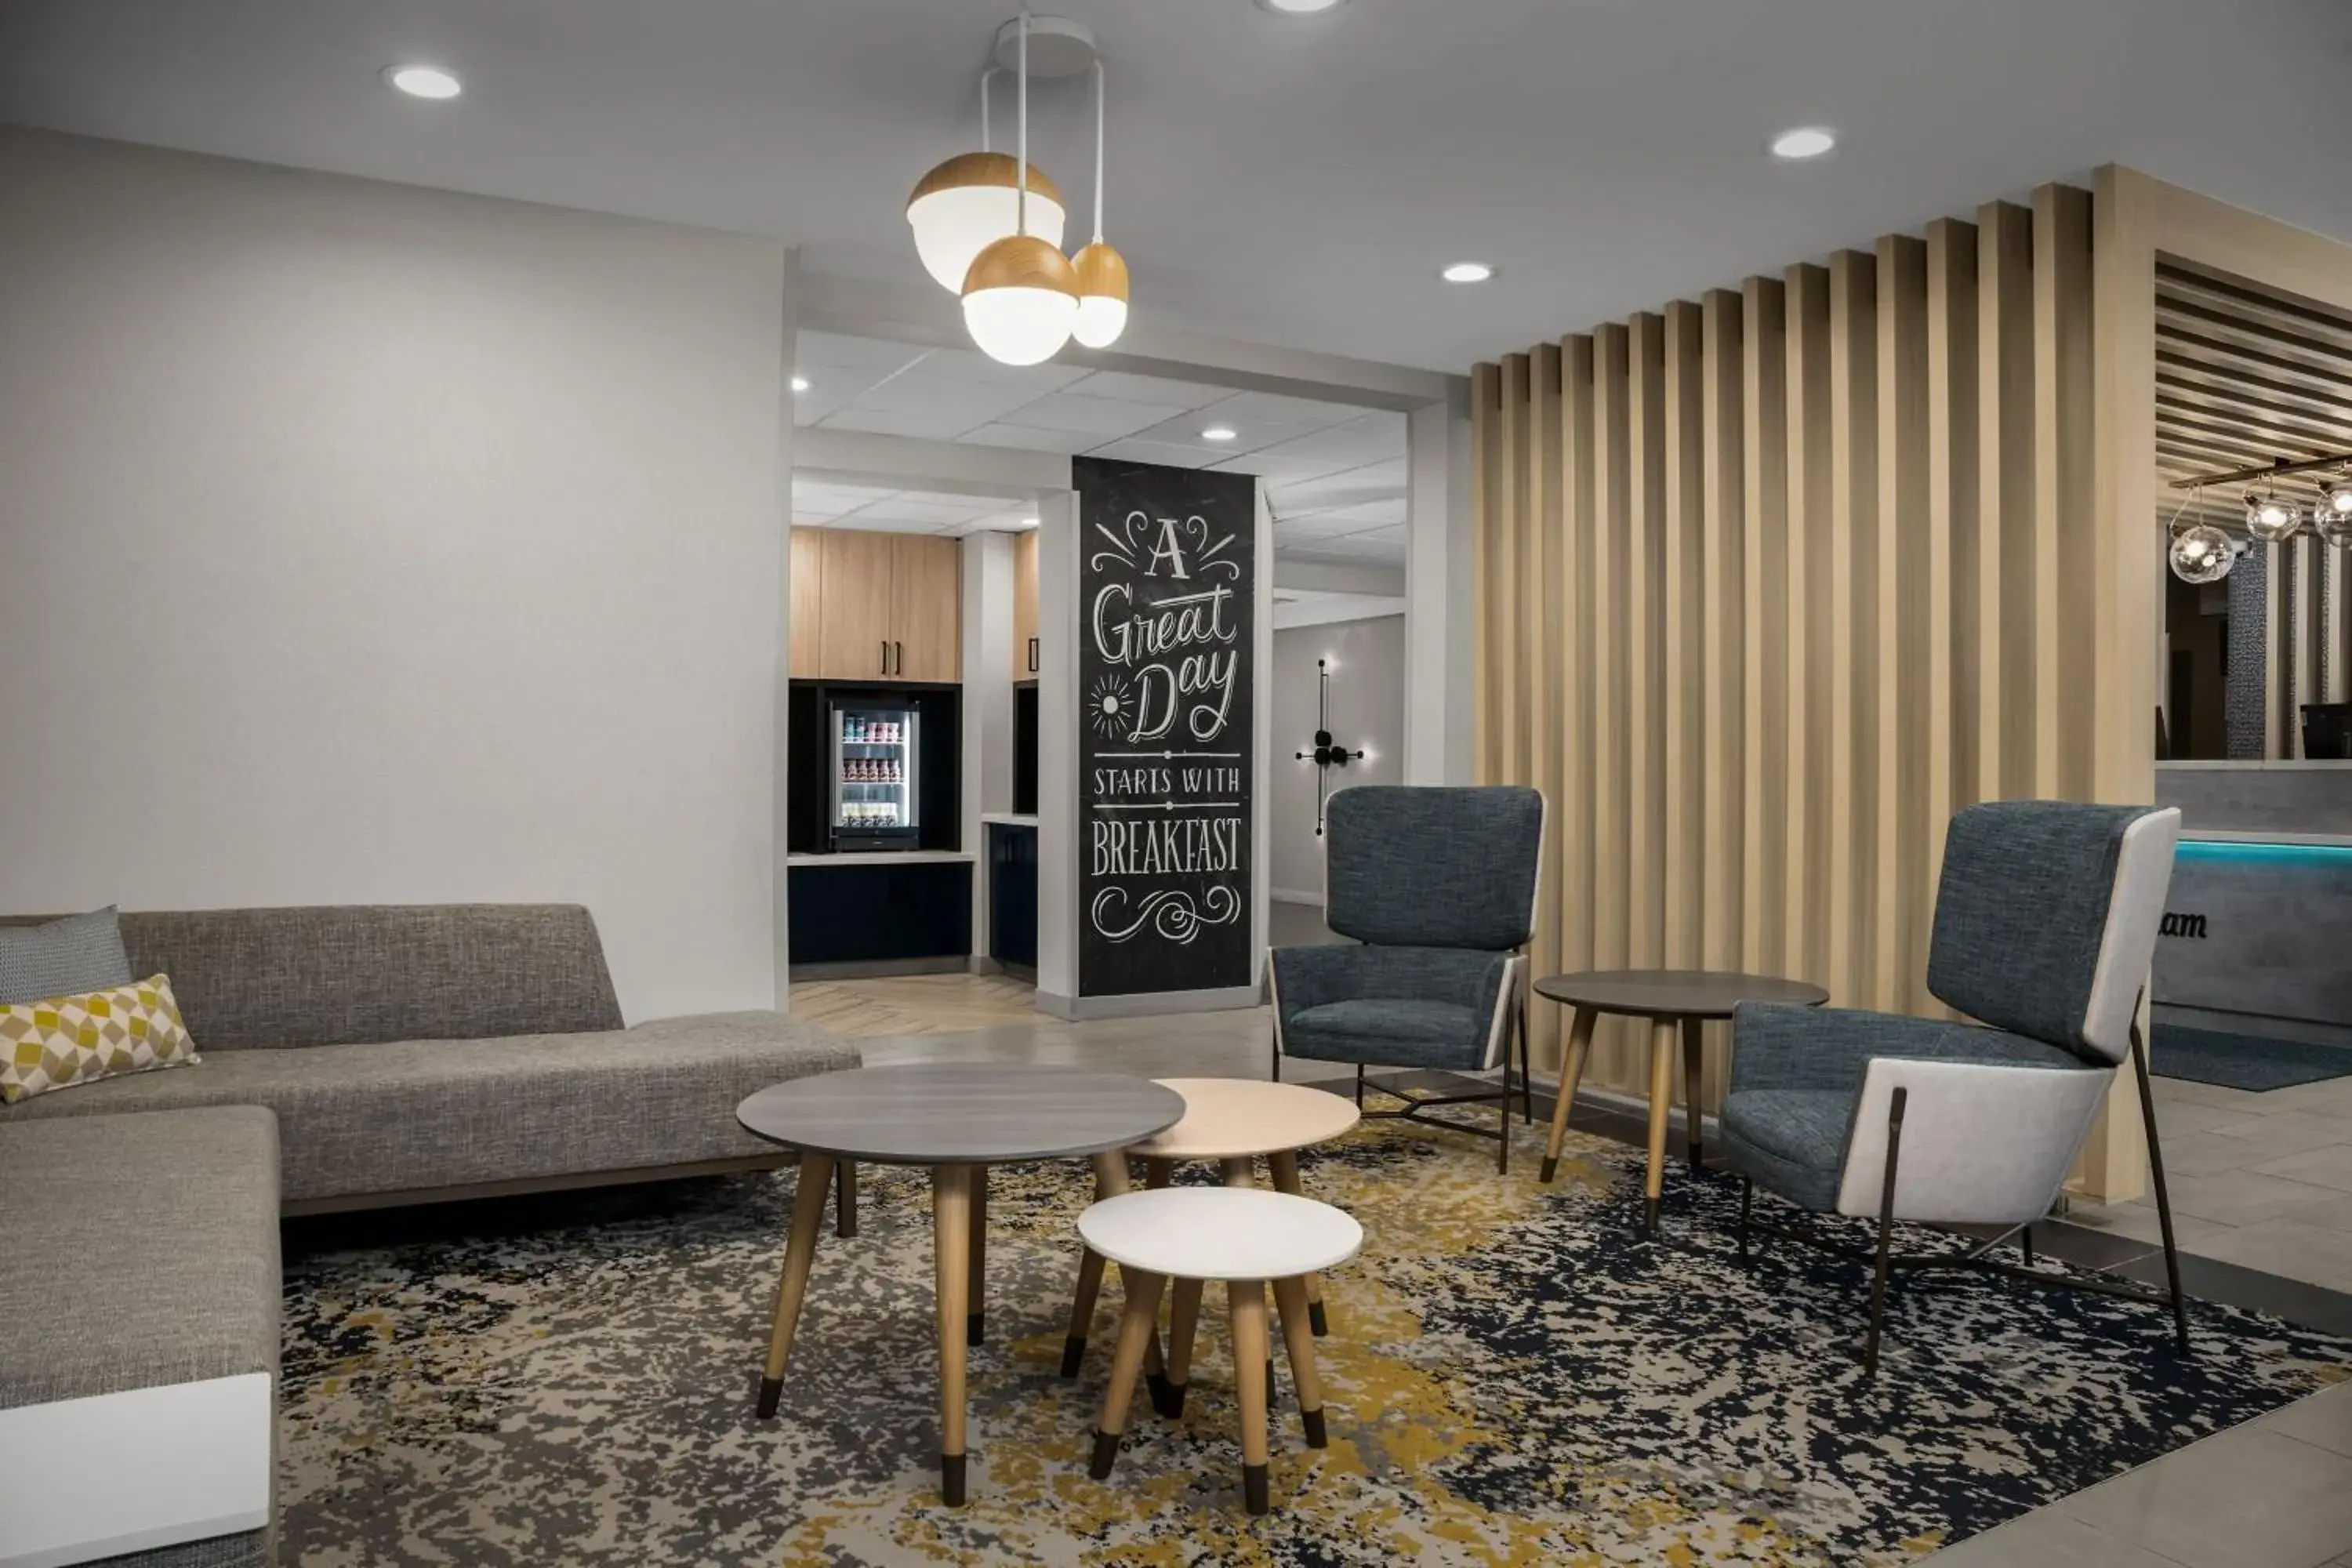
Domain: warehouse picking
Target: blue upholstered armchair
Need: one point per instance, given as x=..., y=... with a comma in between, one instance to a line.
x=2045, y=924
x=1438, y=886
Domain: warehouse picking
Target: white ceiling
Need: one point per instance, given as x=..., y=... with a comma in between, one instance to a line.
x=822, y=503
x=1275, y=180
x=1335, y=473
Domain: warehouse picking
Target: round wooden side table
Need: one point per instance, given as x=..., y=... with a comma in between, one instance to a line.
x=959, y=1120
x=1676, y=1001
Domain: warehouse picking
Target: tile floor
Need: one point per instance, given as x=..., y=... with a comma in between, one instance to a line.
x=2261, y=1181
x=2254, y=1190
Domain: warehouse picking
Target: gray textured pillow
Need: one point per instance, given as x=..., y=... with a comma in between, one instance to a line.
x=63, y=957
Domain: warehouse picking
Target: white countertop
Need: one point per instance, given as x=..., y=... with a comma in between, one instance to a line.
x=883, y=857
x=1010, y=818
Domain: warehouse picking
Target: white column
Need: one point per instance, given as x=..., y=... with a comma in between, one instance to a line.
x=1438, y=564
x=987, y=705
x=1057, y=745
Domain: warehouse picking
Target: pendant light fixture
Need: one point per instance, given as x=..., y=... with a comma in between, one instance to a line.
x=2333, y=514
x=2270, y=517
x=1021, y=297
x=1102, y=271
x=970, y=202
x=2200, y=553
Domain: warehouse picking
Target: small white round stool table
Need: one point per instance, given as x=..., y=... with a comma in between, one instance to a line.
x=1232, y=1121
x=1246, y=1238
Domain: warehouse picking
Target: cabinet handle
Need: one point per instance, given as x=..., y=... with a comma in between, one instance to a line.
x=1032, y=656
x=900, y=649
x=886, y=656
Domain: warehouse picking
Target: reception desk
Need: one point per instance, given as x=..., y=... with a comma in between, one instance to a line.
x=2259, y=924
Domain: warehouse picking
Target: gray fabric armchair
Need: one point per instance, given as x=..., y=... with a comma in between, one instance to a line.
x=1437, y=886
x=2045, y=924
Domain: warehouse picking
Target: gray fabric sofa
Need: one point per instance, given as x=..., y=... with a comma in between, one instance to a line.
x=419, y=1052
x=352, y=1057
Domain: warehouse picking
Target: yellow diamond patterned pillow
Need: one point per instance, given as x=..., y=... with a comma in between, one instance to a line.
x=65, y=1040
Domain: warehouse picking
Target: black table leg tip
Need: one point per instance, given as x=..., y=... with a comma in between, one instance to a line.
x=951, y=1479
x=1162, y=1392
x=1106, y=1451
x=976, y=1329
x=1253, y=1493
x=1316, y=1435
x=1550, y=1168
x=1074, y=1354
x=1317, y=1321
x=772, y=1389
x=1649, y=1217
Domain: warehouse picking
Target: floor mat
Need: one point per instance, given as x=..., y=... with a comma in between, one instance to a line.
x=2242, y=1062
x=1512, y=1376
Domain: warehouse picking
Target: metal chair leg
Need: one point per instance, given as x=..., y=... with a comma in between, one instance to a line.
x=2163, y=1198
x=1527, y=1072
x=1503, y=1144
x=1360, y=1086
x=1746, y=1205
x=1885, y=1232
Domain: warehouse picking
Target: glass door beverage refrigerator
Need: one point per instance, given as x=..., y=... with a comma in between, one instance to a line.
x=877, y=769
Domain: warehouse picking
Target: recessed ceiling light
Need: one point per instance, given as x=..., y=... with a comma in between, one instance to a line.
x=1300, y=8
x=1218, y=433
x=423, y=81
x=1467, y=272
x=1804, y=141
x=800, y=384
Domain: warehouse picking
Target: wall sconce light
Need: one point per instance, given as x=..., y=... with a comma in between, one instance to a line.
x=1325, y=755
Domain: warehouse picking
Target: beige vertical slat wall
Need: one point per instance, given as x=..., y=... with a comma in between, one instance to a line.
x=1773, y=581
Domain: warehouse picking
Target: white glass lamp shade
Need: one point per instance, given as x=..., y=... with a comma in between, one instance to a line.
x=2337, y=497
x=1021, y=301
x=2201, y=554
x=1102, y=295
x=2272, y=518
x=971, y=202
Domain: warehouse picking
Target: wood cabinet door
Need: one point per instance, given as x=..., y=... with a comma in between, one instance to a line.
x=926, y=607
x=1025, y=658
x=803, y=658
x=854, y=625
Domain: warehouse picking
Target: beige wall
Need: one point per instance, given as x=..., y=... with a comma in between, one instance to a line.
x=1773, y=581
x=364, y=542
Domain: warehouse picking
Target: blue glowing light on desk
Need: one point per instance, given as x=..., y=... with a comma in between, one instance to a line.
x=2331, y=856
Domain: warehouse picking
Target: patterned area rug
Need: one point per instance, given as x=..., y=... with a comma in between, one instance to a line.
x=1512, y=1377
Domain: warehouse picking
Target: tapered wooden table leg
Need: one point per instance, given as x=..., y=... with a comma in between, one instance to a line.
x=951, y=1244
x=1137, y=1328
x=1694, y=1076
x=1110, y=1180
x=1571, y=1068
x=1284, y=1166
x=1661, y=1094
x=1290, y=1295
x=1238, y=1173
x=844, y=1197
x=800, y=1252
x=1183, y=1324
x=1245, y=1301
x=976, y=1323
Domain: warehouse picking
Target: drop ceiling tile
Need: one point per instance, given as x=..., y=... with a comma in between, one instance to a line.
x=1276, y=468
x=1103, y=418
x=880, y=524
x=876, y=354
x=971, y=366
x=1136, y=449
x=878, y=422
x=813, y=519
x=1391, y=510
x=963, y=404
x=1393, y=535
x=1158, y=389
x=1296, y=414
x=898, y=511
x=1368, y=438
x=1068, y=443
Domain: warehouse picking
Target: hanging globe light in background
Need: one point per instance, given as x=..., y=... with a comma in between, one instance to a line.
x=2201, y=554
x=2270, y=517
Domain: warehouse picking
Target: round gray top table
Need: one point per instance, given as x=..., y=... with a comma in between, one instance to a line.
x=1677, y=1002
x=957, y=1121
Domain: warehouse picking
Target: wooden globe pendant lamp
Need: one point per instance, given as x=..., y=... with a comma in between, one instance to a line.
x=999, y=220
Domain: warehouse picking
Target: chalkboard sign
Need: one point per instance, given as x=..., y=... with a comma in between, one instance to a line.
x=1167, y=665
